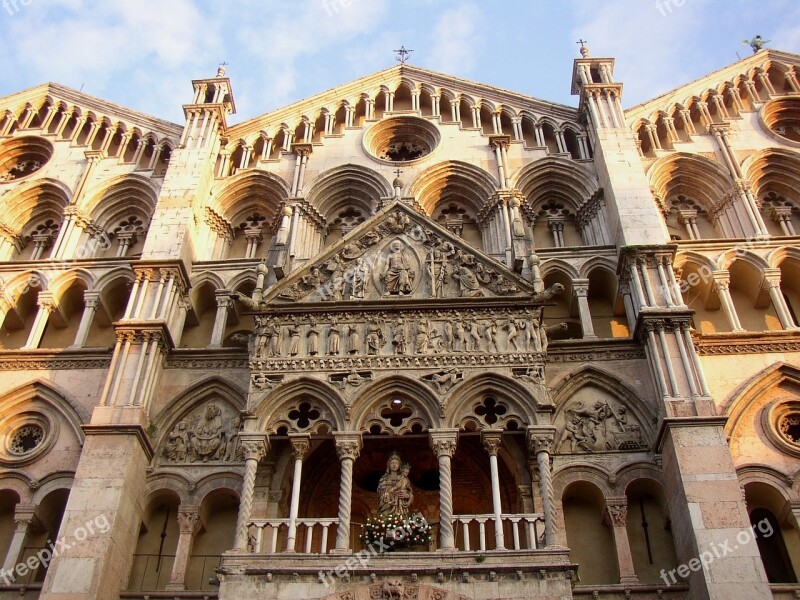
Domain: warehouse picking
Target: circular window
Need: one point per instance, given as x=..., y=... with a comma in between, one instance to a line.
x=782, y=424
x=23, y=156
x=26, y=439
x=782, y=118
x=401, y=139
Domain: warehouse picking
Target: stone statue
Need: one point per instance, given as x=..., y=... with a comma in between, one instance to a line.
x=206, y=439
x=549, y=293
x=513, y=334
x=272, y=333
x=375, y=339
x=334, y=338
x=399, y=337
x=422, y=341
x=398, y=278
x=353, y=338
x=294, y=338
x=467, y=282
x=490, y=333
x=359, y=274
x=395, y=494
x=177, y=445
x=313, y=338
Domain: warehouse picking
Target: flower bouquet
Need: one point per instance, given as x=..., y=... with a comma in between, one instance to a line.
x=390, y=532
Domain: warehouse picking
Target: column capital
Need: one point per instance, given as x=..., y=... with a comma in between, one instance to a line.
x=444, y=441
x=540, y=439
x=46, y=301
x=348, y=445
x=254, y=445
x=580, y=287
x=224, y=298
x=24, y=514
x=301, y=444
x=91, y=298
x=617, y=512
x=189, y=519
x=491, y=439
x=772, y=278
x=722, y=279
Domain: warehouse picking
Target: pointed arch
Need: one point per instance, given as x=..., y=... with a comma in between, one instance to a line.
x=236, y=197
x=408, y=391
x=69, y=410
x=466, y=399
x=558, y=179
x=349, y=186
x=694, y=176
x=274, y=408
x=453, y=180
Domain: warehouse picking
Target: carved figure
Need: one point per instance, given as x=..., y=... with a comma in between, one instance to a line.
x=437, y=266
x=272, y=333
x=511, y=327
x=449, y=336
x=358, y=284
x=399, y=337
x=294, y=338
x=334, y=338
x=444, y=380
x=399, y=276
x=232, y=441
x=398, y=222
x=177, y=445
x=313, y=337
x=422, y=341
x=459, y=339
x=490, y=333
x=549, y=293
x=467, y=282
x=375, y=339
x=353, y=338
x=206, y=440
x=544, y=332
x=395, y=494
x=473, y=339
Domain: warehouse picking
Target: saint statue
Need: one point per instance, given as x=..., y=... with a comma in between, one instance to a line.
x=399, y=276
x=394, y=488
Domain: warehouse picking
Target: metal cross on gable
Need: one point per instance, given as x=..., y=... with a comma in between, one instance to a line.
x=398, y=173
x=403, y=55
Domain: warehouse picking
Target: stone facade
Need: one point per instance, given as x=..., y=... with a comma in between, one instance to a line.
x=577, y=325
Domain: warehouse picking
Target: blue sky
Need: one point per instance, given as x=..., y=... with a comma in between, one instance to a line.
x=144, y=53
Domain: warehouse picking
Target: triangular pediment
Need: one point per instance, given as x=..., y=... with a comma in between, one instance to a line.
x=399, y=256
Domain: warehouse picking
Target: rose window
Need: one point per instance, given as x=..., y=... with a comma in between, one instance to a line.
x=26, y=438
x=789, y=426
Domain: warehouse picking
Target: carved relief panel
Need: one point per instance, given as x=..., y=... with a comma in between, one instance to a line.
x=207, y=434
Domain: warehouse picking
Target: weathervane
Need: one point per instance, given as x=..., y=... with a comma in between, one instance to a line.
x=757, y=43
x=403, y=55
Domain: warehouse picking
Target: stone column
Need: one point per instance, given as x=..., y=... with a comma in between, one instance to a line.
x=580, y=287
x=772, y=281
x=722, y=280
x=255, y=446
x=46, y=306
x=617, y=518
x=492, y=438
x=24, y=516
x=348, y=446
x=189, y=525
x=301, y=443
x=443, y=442
x=540, y=445
x=90, y=300
x=224, y=303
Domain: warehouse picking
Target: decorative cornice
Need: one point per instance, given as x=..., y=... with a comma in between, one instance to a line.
x=55, y=360
x=133, y=430
x=747, y=343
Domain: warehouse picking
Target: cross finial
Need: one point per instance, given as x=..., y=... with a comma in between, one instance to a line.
x=398, y=173
x=584, y=47
x=403, y=55
x=221, y=70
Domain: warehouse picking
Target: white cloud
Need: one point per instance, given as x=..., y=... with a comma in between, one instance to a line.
x=458, y=39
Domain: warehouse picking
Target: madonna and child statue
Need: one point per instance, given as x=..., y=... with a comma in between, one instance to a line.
x=395, y=526
x=394, y=489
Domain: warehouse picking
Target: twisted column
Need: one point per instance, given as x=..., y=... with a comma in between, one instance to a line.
x=348, y=446
x=254, y=446
x=540, y=444
x=443, y=442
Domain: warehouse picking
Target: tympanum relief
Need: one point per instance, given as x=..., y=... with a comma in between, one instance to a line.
x=208, y=434
x=600, y=427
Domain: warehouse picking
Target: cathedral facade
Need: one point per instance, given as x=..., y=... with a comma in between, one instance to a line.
x=413, y=337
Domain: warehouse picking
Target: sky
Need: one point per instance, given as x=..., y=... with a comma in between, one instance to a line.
x=143, y=54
